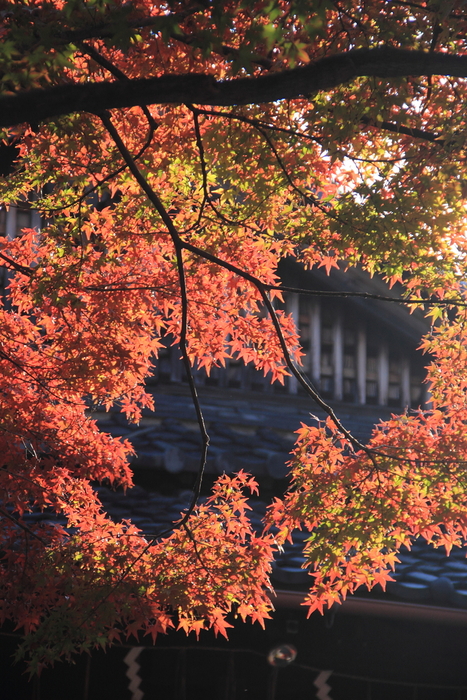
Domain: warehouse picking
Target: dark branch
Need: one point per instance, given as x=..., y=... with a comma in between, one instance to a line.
x=428, y=8
x=16, y=266
x=110, y=288
x=195, y=88
x=106, y=30
x=368, y=295
x=179, y=246
x=22, y=526
x=406, y=130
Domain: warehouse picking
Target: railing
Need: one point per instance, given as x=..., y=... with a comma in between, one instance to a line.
x=347, y=358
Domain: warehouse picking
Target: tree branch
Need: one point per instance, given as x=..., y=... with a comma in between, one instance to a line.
x=109, y=288
x=106, y=30
x=369, y=295
x=22, y=526
x=406, y=130
x=197, y=88
x=179, y=246
x=16, y=266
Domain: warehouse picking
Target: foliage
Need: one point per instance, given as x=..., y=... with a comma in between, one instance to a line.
x=167, y=218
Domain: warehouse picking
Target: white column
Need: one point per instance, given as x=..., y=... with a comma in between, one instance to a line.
x=338, y=357
x=405, y=381
x=426, y=400
x=383, y=374
x=315, y=342
x=176, y=363
x=10, y=227
x=292, y=307
x=361, y=365
x=35, y=220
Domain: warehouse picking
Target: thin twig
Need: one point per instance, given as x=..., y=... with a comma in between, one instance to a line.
x=22, y=526
x=369, y=295
x=191, y=537
x=298, y=290
x=309, y=199
x=405, y=130
x=16, y=266
x=4, y=470
x=204, y=171
x=179, y=246
x=252, y=121
x=191, y=381
x=386, y=126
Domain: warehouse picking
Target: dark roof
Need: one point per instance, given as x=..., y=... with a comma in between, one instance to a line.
x=256, y=433
x=424, y=574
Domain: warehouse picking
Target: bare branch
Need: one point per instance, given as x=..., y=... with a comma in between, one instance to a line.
x=22, y=526
x=106, y=30
x=109, y=288
x=178, y=244
x=406, y=130
x=368, y=295
x=203, y=89
x=16, y=266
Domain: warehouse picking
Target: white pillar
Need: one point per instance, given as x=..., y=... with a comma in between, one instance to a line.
x=405, y=381
x=383, y=374
x=292, y=307
x=35, y=220
x=426, y=400
x=176, y=363
x=338, y=357
x=10, y=228
x=361, y=365
x=315, y=342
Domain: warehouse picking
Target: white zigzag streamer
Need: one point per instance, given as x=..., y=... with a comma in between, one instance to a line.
x=323, y=687
x=132, y=673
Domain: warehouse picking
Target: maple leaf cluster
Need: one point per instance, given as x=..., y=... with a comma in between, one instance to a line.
x=176, y=152
x=99, y=580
